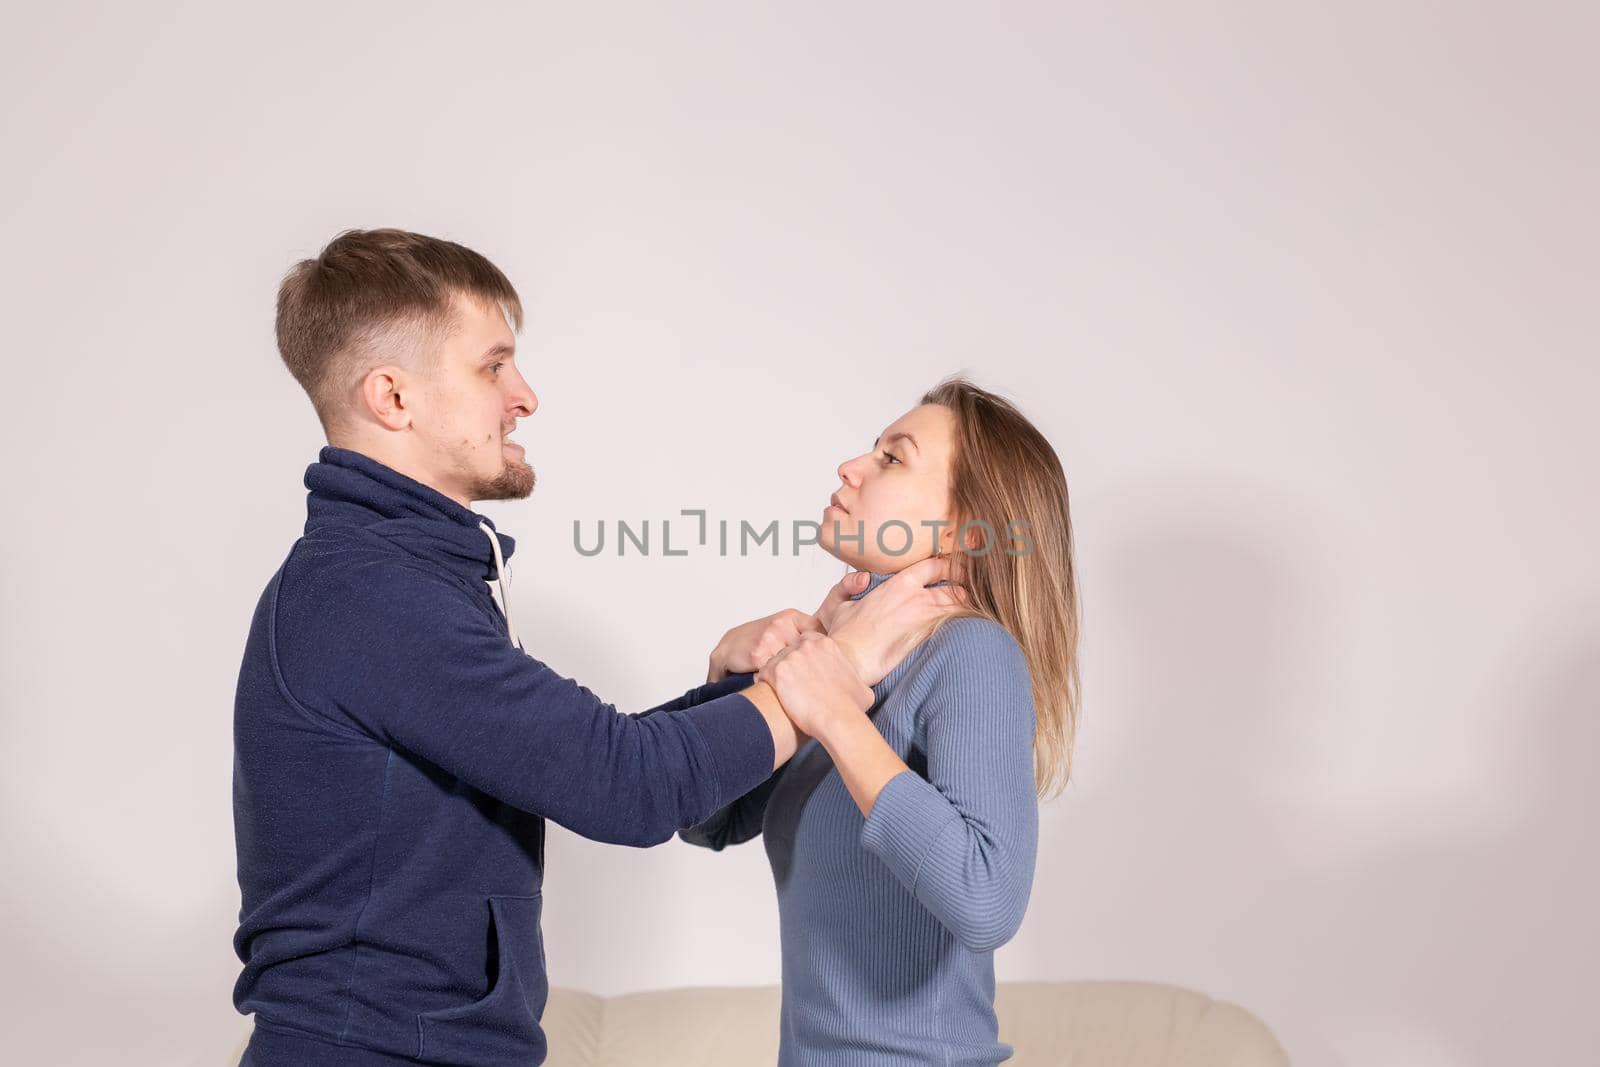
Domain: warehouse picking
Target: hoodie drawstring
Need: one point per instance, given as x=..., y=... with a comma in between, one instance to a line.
x=500, y=577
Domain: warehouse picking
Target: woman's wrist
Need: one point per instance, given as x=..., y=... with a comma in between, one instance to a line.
x=865, y=761
x=844, y=728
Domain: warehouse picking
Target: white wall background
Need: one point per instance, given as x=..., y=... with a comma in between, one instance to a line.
x=1304, y=295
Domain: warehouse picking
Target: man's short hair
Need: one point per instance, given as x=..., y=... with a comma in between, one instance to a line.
x=372, y=297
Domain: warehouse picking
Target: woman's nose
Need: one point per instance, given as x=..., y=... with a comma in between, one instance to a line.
x=849, y=472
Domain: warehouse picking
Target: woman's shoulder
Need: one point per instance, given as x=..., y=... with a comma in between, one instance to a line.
x=971, y=662
x=970, y=650
x=975, y=637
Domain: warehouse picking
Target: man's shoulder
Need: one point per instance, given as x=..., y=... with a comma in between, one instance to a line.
x=345, y=581
x=345, y=604
x=342, y=560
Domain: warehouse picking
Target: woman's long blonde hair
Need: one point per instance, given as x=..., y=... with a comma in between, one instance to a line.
x=1003, y=471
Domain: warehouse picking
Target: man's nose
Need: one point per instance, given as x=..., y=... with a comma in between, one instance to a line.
x=523, y=399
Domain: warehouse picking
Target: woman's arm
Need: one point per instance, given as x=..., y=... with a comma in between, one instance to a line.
x=964, y=839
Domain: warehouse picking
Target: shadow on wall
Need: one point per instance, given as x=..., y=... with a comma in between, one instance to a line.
x=1492, y=943
x=1177, y=858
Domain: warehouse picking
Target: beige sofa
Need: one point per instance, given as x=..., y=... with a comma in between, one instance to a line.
x=1080, y=1024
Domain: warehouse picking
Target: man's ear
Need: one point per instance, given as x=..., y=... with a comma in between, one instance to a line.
x=384, y=393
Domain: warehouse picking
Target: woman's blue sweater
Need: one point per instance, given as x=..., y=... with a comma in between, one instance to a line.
x=889, y=923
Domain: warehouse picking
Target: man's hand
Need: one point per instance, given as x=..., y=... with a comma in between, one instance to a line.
x=747, y=647
x=818, y=686
x=876, y=632
x=834, y=606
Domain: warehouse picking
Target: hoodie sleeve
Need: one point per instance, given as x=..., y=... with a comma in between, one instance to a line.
x=738, y=822
x=407, y=658
x=700, y=694
x=963, y=839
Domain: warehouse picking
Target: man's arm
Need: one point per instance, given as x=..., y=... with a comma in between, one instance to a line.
x=731, y=683
x=407, y=658
x=785, y=739
x=737, y=823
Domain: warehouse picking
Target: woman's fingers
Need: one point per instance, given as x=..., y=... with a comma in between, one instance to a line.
x=817, y=684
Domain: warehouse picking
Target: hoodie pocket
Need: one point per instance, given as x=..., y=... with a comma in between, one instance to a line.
x=502, y=1026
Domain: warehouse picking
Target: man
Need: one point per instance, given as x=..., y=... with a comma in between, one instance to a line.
x=396, y=752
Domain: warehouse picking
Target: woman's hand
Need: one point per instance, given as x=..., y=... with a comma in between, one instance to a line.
x=818, y=686
x=747, y=647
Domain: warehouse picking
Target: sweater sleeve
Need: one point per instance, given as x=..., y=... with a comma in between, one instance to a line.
x=963, y=840
x=407, y=658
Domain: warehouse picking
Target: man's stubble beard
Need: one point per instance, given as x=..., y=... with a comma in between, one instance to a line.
x=514, y=482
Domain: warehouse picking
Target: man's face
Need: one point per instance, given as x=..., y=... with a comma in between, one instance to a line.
x=475, y=394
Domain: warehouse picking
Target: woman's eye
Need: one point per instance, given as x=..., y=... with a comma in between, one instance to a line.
x=890, y=457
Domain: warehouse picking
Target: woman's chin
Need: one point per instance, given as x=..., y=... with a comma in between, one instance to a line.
x=854, y=560
x=870, y=562
x=842, y=557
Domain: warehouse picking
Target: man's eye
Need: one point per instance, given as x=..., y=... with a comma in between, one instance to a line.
x=495, y=367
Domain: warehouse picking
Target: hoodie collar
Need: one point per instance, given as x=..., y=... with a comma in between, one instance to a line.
x=348, y=488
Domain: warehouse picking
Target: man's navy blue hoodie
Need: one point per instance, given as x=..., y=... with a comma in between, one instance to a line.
x=395, y=757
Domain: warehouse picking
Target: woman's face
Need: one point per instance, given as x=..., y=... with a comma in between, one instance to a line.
x=888, y=494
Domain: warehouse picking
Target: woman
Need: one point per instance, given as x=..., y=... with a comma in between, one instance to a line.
x=902, y=845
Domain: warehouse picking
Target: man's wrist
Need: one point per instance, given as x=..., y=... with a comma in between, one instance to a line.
x=766, y=700
x=852, y=656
